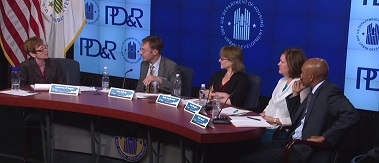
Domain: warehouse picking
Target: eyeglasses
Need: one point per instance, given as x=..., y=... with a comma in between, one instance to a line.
x=142, y=50
x=223, y=59
x=44, y=47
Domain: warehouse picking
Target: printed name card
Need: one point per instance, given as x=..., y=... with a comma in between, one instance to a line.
x=168, y=100
x=121, y=93
x=64, y=89
x=194, y=108
x=201, y=121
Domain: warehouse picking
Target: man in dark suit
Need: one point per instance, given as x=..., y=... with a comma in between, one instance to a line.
x=164, y=70
x=326, y=115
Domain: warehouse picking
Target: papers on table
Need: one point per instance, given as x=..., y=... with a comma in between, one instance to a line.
x=19, y=92
x=41, y=87
x=233, y=111
x=249, y=121
x=146, y=95
x=87, y=89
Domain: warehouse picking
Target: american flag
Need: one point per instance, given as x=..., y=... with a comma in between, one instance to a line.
x=21, y=19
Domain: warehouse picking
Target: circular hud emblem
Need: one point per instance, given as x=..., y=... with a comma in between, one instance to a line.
x=55, y=9
x=368, y=34
x=130, y=50
x=92, y=11
x=241, y=24
x=130, y=148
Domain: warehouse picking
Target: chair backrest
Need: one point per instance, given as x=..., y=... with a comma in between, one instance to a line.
x=252, y=97
x=187, y=78
x=71, y=68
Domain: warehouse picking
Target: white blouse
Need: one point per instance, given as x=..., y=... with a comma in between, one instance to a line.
x=277, y=106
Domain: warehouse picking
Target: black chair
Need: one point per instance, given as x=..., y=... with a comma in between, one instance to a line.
x=187, y=78
x=33, y=119
x=71, y=68
x=252, y=97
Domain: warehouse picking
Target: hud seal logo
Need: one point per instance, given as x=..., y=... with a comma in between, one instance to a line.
x=130, y=50
x=55, y=9
x=241, y=24
x=368, y=34
x=130, y=148
x=92, y=11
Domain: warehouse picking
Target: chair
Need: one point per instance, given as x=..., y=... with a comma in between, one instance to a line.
x=71, y=68
x=252, y=97
x=33, y=120
x=187, y=78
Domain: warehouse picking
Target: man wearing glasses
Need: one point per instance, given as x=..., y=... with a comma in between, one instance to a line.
x=157, y=71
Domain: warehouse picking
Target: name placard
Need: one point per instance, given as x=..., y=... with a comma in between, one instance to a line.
x=168, y=100
x=64, y=89
x=121, y=93
x=201, y=121
x=192, y=108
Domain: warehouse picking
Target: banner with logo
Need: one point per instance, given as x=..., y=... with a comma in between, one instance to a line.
x=112, y=36
x=362, y=62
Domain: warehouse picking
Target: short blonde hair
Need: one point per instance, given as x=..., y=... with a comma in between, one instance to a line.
x=235, y=55
x=31, y=44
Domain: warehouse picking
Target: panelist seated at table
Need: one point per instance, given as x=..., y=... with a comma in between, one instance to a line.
x=39, y=68
x=276, y=112
x=156, y=70
x=231, y=84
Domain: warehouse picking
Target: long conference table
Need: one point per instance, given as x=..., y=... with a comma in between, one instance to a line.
x=143, y=111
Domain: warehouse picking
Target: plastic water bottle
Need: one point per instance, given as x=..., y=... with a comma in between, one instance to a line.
x=15, y=78
x=105, y=79
x=177, y=87
x=216, y=107
x=202, y=97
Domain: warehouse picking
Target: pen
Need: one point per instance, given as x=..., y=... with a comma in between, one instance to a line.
x=235, y=111
x=254, y=118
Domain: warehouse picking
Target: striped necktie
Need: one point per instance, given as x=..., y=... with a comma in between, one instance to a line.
x=149, y=87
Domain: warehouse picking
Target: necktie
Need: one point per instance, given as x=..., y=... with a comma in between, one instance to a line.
x=149, y=87
x=297, y=134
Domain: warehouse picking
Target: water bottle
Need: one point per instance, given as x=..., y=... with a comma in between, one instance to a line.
x=105, y=79
x=15, y=78
x=202, y=97
x=177, y=87
x=216, y=107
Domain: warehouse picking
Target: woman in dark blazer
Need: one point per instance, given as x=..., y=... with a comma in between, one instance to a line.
x=39, y=68
x=231, y=84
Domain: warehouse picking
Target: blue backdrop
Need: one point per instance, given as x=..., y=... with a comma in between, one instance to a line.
x=193, y=36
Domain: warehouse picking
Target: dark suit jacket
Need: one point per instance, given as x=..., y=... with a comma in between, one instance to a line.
x=31, y=74
x=238, y=84
x=167, y=70
x=330, y=114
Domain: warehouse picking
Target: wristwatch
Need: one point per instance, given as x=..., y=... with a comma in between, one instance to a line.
x=275, y=121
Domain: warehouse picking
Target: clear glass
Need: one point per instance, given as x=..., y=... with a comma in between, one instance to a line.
x=216, y=107
x=202, y=97
x=105, y=79
x=15, y=78
x=177, y=86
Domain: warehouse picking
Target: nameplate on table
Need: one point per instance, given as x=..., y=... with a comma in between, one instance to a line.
x=121, y=93
x=192, y=107
x=201, y=121
x=64, y=89
x=168, y=100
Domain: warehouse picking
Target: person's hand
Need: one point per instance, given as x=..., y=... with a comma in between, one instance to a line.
x=151, y=78
x=269, y=119
x=263, y=115
x=318, y=139
x=297, y=87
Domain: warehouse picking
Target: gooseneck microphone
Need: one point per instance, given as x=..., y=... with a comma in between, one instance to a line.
x=123, y=82
x=224, y=120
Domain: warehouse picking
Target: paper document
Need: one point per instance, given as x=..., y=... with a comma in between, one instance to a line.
x=145, y=95
x=41, y=87
x=233, y=111
x=19, y=92
x=249, y=121
x=87, y=89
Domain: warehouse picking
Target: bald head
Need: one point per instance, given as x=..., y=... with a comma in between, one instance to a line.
x=314, y=70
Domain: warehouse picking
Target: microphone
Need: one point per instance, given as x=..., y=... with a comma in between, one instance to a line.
x=123, y=82
x=223, y=120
